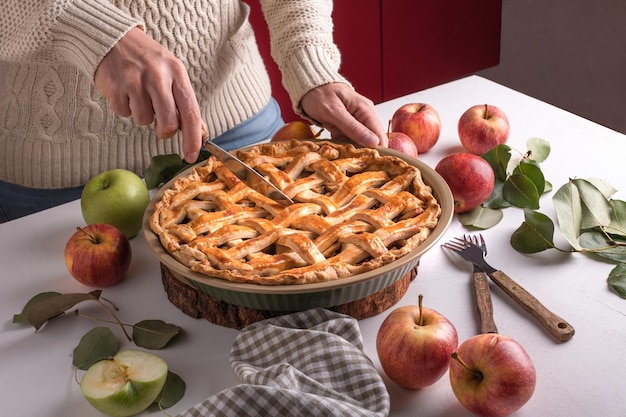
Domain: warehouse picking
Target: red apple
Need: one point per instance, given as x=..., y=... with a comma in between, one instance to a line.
x=98, y=255
x=492, y=375
x=414, y=345
x=470, y=178
x=296, y=129
x=420, y=122
x=402, y=143
x=482, y=127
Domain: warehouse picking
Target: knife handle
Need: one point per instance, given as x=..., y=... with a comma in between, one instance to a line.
x=558, y=327
x=483, y=302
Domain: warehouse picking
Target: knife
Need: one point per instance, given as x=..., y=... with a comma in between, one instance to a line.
x=244, y=171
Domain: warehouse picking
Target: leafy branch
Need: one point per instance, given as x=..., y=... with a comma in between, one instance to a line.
x=519, y=182
x=589, y=218
x=150, y=334
x=100, y=343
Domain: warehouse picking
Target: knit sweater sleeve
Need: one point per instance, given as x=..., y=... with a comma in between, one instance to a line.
x=79, y=32
x=301, y=39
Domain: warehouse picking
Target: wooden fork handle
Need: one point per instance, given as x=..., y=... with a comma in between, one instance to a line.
x=558, y=327
x=483, y=301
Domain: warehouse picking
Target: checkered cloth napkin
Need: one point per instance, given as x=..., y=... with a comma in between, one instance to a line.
x=309, y=363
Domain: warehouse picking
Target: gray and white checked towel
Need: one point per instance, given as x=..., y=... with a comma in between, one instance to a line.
x=309, y=363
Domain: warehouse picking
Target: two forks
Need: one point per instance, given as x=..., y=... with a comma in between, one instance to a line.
x=474, y=250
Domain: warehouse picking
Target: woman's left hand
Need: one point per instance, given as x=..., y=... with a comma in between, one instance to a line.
x=345, y=113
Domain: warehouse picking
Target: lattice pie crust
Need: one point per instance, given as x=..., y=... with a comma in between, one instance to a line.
x=355, y=210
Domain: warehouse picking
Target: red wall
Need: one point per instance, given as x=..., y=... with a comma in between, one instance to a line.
x=395, y=47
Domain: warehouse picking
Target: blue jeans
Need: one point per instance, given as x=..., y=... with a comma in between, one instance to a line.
x=17, y=201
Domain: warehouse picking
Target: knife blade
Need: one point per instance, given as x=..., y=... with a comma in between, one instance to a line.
x=244, y=171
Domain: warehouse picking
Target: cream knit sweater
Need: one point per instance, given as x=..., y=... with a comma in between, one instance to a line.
x=57, y=131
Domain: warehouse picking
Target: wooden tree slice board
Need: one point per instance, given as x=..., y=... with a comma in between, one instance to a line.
x=197, y=304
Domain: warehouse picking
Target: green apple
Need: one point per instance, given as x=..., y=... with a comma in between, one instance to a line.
x=125, y=384
x=117, y=197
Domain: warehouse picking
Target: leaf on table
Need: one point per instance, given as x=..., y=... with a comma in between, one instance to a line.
x=23, y=316
x=595, y=241
x=617, y=279
x=496, y=200
x=154, y=334
x=533, y=172
x=481, y=217
x=49, y=308
x=605, y=188
x=568, y=208
x=499, y=158
x=596, y=210
x=520, y=191
x=539, y=149
x=172, y=392
x=618, y=218
x=547, y=187
x=159, y=166
x=536, y=233
x=163, y=168
x=97, y=344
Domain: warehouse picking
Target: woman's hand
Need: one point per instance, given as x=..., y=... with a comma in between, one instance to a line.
x=345, y=114
x=143, y=80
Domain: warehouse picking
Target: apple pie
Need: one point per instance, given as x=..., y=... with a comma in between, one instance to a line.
x=354, y=210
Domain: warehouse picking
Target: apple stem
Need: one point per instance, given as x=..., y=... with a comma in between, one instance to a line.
x=476, y=373
x=420, y=297
x=319, y=132
x=389, y=127
x=486, y=115
x=91, y=237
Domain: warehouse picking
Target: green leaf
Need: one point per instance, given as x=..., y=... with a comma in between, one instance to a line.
x=596, y=210
x=605, y=188
x=97, y=344
x=595, y=241
x=539, y=149
x=532, y=172
x=173, y=391
x=55, y=306
x=520, y=191
x=536, y=233
x=163, y=168
x=154, y=334
x=618, y=218
x=568, y=208
x=481, y=217
x=160, y=165
x=499, y=158
x=547, y=187
x=23, y=316
x=617, y=280
x=496, y=200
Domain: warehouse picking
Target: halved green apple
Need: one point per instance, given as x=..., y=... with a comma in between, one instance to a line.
x=125, y=384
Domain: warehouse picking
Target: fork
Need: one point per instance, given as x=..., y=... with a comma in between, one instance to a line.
x=472, y=250
x=482, y=295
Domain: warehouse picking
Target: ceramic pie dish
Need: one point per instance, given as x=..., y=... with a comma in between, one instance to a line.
x=294, y=297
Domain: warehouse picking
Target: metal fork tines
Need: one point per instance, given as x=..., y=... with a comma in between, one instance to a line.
x=473, y=250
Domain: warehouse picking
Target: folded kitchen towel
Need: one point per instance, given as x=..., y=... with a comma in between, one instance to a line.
x=309, y=363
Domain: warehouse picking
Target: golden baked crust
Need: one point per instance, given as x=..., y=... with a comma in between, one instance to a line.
x=355, y=210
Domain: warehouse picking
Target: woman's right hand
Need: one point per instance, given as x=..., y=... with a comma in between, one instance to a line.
x=143, y=80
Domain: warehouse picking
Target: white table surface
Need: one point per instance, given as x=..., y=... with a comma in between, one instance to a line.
x=582, y=377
